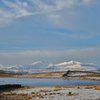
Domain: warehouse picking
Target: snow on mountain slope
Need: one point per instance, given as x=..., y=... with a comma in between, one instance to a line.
x=72, y=65
x=39, y=66
x=28, y=68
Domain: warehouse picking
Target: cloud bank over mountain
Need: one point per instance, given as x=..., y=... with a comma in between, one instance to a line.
x=25, y=57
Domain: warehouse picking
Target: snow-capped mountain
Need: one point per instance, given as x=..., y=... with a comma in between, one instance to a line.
x=39, y=66
x=72, y=65
x=28, y=68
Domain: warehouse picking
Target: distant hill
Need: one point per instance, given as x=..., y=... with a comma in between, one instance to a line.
x=39, y=66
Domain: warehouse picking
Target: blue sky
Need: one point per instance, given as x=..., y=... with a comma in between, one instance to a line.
x=49, y=30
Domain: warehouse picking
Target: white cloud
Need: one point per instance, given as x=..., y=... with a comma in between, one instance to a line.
x=18, y=8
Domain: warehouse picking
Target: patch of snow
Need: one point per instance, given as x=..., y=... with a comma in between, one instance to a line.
x=63, y=93
x=35, y=63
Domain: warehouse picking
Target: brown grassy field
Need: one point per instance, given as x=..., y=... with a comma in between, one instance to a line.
x=71, y=75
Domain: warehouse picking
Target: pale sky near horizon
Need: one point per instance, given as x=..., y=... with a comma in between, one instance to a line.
x=49, y=30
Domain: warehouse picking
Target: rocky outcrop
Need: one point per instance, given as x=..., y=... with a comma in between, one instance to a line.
x=9, y=87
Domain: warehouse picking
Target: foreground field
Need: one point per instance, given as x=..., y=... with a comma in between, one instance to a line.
x=53, y=93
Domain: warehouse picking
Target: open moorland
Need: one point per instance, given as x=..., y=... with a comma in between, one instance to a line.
x=63, y=74
x=53, y=93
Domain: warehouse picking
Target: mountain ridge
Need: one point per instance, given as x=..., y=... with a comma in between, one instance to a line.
x=39, y=66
